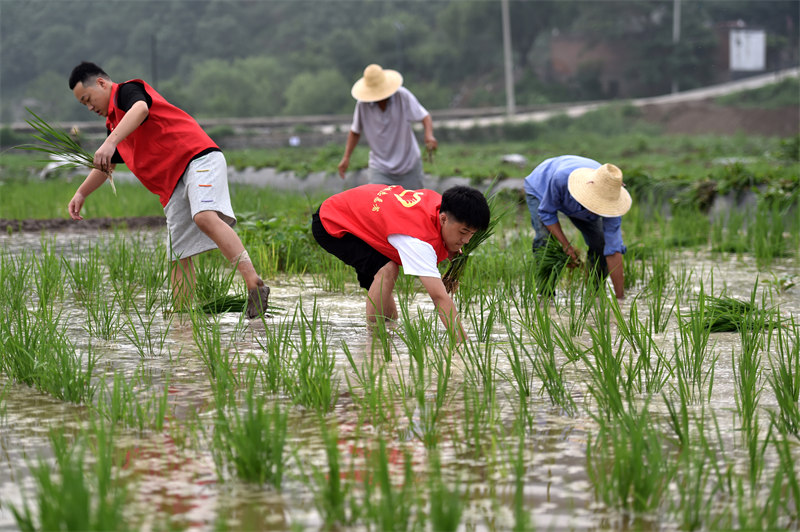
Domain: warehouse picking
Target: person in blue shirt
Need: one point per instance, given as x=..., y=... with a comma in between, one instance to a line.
x=594, y=198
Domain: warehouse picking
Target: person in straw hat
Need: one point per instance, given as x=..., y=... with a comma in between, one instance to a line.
x=593, y=197
x=384, y=113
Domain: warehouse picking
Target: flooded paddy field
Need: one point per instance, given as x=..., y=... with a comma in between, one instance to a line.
x=576, y=412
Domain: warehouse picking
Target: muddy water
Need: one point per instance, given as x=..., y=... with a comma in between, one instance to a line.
x=175, y=480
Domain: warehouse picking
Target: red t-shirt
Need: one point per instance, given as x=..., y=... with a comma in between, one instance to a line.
x=160, y=149
x=373, y=212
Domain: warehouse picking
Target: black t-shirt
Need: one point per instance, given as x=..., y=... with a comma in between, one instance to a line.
x=128, y=94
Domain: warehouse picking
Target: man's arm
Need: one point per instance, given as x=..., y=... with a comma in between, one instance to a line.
x=90, y=184
x=133, y=118
x=352, y=140
x=616, y=272
x=430, y=140
x=445, y=306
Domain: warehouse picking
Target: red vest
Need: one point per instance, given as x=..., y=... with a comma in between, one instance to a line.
x=160, y=149
x=373, y=212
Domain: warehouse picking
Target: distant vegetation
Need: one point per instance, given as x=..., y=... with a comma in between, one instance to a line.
x=683, y=169
x=783, y=94
x=253, y=58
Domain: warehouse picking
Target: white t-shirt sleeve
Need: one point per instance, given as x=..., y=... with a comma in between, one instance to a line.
x=415, y=110
x=417, y=257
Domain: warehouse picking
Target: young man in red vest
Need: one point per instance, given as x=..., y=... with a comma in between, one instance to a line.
x=377, y=228
x=168, y=151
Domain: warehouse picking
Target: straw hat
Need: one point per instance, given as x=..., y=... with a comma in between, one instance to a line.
x=601, y=190
x=376, y=84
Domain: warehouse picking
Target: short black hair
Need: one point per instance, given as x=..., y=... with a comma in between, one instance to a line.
x=467, y=205
x=84, y=73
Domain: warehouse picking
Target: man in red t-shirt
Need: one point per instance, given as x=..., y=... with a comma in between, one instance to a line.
x=168, y=151
x=377, y=228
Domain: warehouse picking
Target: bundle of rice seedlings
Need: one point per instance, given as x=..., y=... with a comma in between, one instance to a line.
x=727, y=314
x=548, y=262
x=224, y=303
x=227, y=303
x=458, y=263
x=60, y=144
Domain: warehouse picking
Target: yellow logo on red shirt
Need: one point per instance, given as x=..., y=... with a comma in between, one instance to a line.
x=417, y=195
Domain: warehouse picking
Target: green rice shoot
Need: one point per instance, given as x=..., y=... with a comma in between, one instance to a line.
x=549, y=262
x=62, y=146
x=459, y=262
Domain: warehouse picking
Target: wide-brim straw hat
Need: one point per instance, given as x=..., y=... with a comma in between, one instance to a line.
x=600, y=190
x=376, y=84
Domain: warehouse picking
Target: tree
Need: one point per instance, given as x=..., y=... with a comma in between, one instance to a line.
x=322, y=92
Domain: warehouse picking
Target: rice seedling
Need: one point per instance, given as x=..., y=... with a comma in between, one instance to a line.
x=694, y=356
x=728, y=235
x=479, y=363
x=153, y=276
x=541, y=362
x=650, y=370
x=367, y=387
x=48, y=278
x=607, y=385
x=331, y=494
x=687, y=227
x=789, y=493
x=74, y=495
x=250, y=444
x=634, y=265
x=693, y=477
x=387, y=506
x=747, y=370
x=143, y=332
x=445, y=504
x=103, y=317
x=581, y=291
x=784, y=377
x=519, y=359
x=123, y=268
x=549, y=262
x=277, y=346
x=775, y=506
x=85, y=272
x=425, y=360
x=682, y=281
x=766, y=232
x=124, y=403
x=483, y=315
x=39, y=353
x=627, y=463
x=522, y=518
x=658, y=292
x=311, y=378
x=61, y=145
x=220, y=361
x=381, y=336
x=15, y=281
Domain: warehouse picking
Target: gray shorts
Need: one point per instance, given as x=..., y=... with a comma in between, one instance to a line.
x=411, y=180
x=203, y=187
